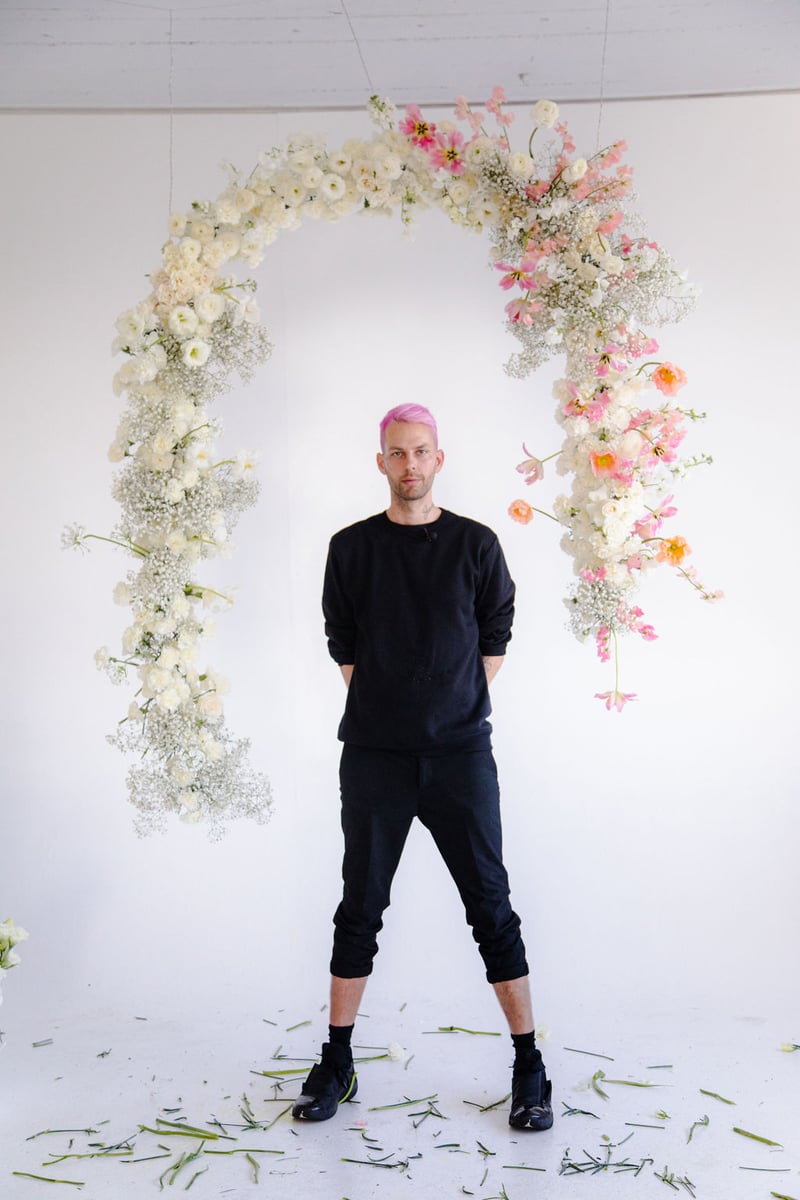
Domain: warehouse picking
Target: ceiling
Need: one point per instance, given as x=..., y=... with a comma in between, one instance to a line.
x=298, y=54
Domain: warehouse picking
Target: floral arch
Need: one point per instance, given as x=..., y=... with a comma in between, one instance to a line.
x=581, y=281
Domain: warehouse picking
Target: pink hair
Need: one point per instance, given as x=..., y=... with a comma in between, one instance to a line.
x=412, y=414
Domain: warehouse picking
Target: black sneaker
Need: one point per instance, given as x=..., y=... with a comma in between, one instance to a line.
x=329, y=1083
x=531, y=1095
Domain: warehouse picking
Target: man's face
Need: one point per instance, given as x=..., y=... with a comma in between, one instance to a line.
x=410, y=461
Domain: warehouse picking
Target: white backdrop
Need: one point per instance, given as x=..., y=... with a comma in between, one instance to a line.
x=653, y=854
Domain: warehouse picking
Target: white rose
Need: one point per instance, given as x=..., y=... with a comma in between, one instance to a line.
x=544, y=112
x=101, y=657
x=575, y=171
x=210, y=706
x=116, y=452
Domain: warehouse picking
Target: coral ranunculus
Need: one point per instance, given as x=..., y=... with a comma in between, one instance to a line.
x=520, y=510
x=669, y=379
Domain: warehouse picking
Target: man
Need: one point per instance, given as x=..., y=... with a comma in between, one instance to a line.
x=418, y=605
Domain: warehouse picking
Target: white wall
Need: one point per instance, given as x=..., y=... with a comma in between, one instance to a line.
x=653, y=853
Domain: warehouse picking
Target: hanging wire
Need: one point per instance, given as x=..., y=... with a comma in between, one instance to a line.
x=358, y=48
x=602, y=75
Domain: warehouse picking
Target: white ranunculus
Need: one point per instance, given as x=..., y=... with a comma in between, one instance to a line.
x=333, y=187
x=202, y=230
x=195, y=352
x=388, y=166
x=210, y=306
x=575, y=170
x=116, y=452
x=520, y=165
x=122, y=593
x=544, y=112
x=177, y=224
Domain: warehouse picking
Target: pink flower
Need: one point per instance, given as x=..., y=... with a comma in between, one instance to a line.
x=609, y=359
x=610, y=223
x=615, y=699
x=532, y=468
x=521, y=511
x=462, y=108
x=602, y=639
x=669, y=379
x=522, y=310
x=497, y=98
x=517, y=275
x=421, y=132
x=447, y=152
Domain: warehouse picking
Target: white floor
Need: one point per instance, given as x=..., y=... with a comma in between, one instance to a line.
x=105, y=1074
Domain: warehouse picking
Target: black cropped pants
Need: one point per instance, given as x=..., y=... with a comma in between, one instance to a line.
x=456, y=797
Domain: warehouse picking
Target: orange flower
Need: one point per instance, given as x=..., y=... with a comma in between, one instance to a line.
x=668, y=378
x=673, y=551
x=520, y=511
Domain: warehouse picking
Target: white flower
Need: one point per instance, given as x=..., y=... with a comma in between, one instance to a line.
x=101, y=657
x=479, y=150
x=195, y=352
x=210, y=306
x=575, y=170
x=182, y=321
x=520, y=166
x=210, y=706
x=122, y=594
x=311, y=177
x=116, y=452
x=544, y=112
x=177, y=224
x=395, y=1052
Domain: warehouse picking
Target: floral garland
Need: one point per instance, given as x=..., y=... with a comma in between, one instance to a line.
x=581, y=286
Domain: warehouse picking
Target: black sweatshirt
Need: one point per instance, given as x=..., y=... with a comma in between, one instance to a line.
x=414, y=608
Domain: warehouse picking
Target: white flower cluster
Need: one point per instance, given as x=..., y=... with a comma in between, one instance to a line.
x=10, y=936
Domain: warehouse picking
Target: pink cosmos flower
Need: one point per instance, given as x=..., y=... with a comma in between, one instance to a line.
x=447, y=152
x=615, y=699
x=421, y=132
x=532, y=468
x=668, y=378
x=610, y=223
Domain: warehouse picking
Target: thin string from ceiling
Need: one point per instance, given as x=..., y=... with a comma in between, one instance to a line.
x=602, y=75
x=372, y=88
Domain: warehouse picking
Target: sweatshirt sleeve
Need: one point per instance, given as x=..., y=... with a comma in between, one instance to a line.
x=494, y=602
x=340, y=626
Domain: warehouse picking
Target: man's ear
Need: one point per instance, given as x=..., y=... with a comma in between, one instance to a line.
x=380, y=462
x=439, y=460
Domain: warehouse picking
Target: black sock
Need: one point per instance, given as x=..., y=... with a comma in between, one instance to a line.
x=526, y=1053
x=340, y=1035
